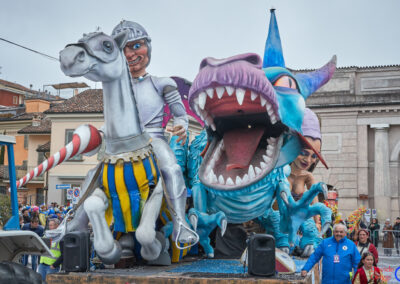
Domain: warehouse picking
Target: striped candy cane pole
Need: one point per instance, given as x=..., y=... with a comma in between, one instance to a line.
x=86, y=139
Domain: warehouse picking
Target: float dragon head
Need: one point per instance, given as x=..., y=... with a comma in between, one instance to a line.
x=253, y=111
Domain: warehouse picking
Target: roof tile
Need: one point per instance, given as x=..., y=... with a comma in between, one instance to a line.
x=89, y=101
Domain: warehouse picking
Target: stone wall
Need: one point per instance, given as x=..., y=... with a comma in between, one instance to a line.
x=360, y=123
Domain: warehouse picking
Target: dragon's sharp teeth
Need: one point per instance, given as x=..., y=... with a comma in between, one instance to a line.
x=263, y=101
x=271, y=141
x=252, y=174
x=229, y=181
x=240, y=95
x=210, y=92
x=214, y=178
x=273, y=119
x=220, y=91
x=238, y=180
x=209, y=120
x=253, y=96
x=197, y=109
x=270, y=147
x=258, y=170
x=221, y=180
x=202, y=100
x=213, y=126
x=266, y=159
x=210, y=176
x=270, y=112
x=269, y=107
x=245, y=178
x=263, y=165
x=229, y=90
x=270, y=153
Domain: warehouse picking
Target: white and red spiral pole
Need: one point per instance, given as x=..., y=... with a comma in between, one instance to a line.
x=85, y=140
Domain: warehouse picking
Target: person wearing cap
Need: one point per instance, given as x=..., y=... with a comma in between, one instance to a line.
x=364, y=244
x=396, y=228
x=387, y=238
x=301, y=177
x=152, y=94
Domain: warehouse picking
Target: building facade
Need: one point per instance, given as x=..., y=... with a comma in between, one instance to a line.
x=360, y=123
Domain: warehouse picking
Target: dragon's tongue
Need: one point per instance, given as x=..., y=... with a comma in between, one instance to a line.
x=240, y=146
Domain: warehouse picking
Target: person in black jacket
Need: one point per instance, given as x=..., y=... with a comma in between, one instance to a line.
x=374, y=228
x=39, y=230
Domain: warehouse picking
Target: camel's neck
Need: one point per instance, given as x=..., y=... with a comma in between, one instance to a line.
x=120, y=114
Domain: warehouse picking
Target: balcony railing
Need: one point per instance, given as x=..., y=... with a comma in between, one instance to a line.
x=20, y=172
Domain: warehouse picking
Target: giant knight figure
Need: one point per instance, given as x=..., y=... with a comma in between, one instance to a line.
x=151, y=94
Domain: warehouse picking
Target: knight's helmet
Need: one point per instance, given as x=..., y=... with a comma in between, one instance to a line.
x=136, y=32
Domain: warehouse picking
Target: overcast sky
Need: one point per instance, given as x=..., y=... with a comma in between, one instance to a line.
x=183, y=32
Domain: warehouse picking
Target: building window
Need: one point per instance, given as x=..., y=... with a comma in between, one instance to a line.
x=41, y=157
x=15, y=100
x=68, y=138
x=25, y=141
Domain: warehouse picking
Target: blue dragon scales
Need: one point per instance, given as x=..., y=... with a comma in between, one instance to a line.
x=253, y=111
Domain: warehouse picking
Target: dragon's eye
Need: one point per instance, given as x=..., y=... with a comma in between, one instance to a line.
x=108, y=46
x=286, y=82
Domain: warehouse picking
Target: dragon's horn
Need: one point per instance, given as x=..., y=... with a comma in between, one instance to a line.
x=273, y=55
x=312, y=81
x=85, y=139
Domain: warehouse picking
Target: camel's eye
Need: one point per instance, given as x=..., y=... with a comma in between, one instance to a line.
x=286, y=82
x=108, y=46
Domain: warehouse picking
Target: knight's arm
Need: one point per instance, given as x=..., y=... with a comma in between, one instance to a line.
x=174, y=101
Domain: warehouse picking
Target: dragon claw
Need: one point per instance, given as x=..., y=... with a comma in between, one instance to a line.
x=193, y=218
x=284, y=197
x=308, y=250
x=285, y=249
x=325, y=228
x=223, y=225
x=324, y=190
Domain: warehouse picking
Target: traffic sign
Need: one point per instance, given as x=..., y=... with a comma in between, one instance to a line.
x=63, y=186
x=77, y=192
x=70, y=193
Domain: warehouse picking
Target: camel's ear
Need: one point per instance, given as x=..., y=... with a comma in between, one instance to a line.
x=121, y=39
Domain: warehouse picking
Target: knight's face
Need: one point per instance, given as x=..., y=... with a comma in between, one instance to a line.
x=137, y=57
x=307, y=157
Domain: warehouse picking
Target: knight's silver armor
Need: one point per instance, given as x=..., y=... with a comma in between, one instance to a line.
x=151, y=94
